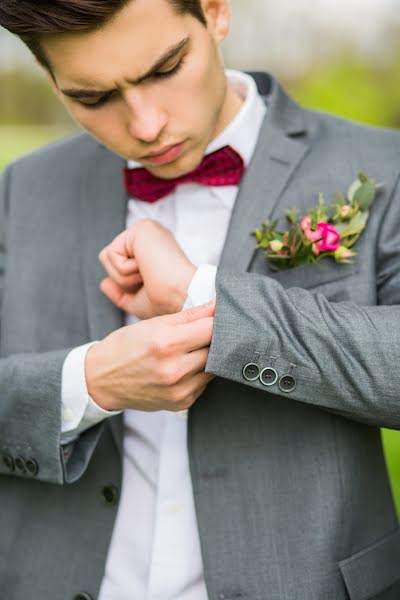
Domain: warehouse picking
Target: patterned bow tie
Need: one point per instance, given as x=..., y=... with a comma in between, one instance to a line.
x=223, y=167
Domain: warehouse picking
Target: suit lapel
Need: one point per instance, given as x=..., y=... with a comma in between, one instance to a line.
x=103, y=217
x=276, y=157
x=279, y=151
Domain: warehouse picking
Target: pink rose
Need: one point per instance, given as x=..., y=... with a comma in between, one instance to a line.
x=276, y=245
x=286, y=240
x=328, y=236
x=305, y=223
x=343, y=253
x=316, y=250
x=344, y=211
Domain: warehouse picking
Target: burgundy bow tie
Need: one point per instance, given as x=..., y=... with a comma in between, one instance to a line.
x=223, y=167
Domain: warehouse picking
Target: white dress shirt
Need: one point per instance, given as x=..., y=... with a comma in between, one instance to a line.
x=155, y=548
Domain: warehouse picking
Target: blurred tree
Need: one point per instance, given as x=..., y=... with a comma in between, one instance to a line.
x=26, y=98
x=354, y=88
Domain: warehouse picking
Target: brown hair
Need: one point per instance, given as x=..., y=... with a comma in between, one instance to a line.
x=29, y=19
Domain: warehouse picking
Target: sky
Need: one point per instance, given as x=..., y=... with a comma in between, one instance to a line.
x=286, y=35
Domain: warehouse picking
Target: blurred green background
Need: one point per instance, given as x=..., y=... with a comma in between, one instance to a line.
x=343, y=58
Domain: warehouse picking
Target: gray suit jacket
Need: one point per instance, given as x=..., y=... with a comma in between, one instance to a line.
x=291, y=489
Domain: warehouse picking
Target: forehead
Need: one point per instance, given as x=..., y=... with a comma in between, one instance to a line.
x=136, y=37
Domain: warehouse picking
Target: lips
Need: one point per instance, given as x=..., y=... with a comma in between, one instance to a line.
x=167, y=154
x=160, y=152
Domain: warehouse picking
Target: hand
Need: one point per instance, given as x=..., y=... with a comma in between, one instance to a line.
x=153, y=365
x=149, y=274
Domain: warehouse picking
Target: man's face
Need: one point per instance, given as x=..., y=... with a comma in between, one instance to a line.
x=184, y=101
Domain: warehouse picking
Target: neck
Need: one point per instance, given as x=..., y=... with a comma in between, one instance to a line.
x=232, y=105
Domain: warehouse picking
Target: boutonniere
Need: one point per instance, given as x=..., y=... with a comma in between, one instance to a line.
x=321, y=232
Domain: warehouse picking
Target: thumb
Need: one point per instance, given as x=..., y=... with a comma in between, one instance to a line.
x=193, y=314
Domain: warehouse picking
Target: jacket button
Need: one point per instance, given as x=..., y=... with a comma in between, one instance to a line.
x=83, y=596
x=20, y=464
x=110, y=494
x=32, y=467
x=8, y=462
x=251, y=372
x=268, y=376
x=287, y=383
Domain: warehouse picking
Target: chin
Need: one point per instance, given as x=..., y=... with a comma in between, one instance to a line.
x=177, y=168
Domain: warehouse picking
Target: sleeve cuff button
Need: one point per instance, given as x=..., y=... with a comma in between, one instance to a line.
x=287, y=383
x=268, y=376
x=251, y=372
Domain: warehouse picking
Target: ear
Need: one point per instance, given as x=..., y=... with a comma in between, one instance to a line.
x=218, y=16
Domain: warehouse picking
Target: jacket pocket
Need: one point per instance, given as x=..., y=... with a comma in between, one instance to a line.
x=374, y=569
x=313, y=275
x=307, y=276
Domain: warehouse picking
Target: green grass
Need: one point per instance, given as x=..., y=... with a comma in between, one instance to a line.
x=391, y=443
x=16, y=141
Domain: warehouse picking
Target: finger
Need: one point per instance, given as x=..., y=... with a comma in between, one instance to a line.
x=123, y=243
x=200, y=379
x=125, y=282
x=194, y=336
x=192, y=314
x=136, y=304
x=122, y=299
x=193, y=363
x=193, y=386
x=123, y=265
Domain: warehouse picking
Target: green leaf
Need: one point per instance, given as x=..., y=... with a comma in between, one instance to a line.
x=362, y=177
x=291, y=237
x=340, y=227
x=365, y=195
x=291, y=215
x=276, y=257
x=353, y=189
x=274, y=224
x=339, y=200
x=356, y=225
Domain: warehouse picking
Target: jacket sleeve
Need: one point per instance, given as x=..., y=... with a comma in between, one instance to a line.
x=343, y=357
x=30, y=401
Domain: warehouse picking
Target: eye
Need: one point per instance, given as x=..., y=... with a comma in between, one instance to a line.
x=96, y=103
x=171, y=72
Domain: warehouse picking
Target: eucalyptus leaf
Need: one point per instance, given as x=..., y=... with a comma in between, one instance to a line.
x=362, y=177
x=353, y=189
x=365, y=195
x=356, y=225
x=340, y=227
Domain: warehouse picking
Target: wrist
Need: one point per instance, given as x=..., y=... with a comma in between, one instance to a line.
x=183, y=288
x=94, y=379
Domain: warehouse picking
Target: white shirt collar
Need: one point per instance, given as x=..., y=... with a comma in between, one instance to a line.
x=242, y=132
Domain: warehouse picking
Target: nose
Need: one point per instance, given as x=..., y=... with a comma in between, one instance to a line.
x=146, y=120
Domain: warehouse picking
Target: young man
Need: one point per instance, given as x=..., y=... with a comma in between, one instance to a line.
x=273, y=485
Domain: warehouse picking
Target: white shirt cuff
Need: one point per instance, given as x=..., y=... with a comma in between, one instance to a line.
x=202, y=287
x=78, y=409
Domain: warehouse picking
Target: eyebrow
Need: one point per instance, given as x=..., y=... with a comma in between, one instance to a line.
x=164, y=59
